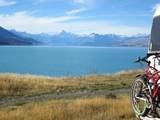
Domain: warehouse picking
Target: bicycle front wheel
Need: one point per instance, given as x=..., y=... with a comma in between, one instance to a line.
x=139, y=99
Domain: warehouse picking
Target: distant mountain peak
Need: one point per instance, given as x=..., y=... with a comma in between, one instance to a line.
x=63, y=32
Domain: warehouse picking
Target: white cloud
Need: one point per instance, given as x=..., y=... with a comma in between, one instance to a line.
x=103, y=27
x=80, y=1
x=156, y=8
x=87, y=3
x=22, y=21
x=26, y=22
x=75, y=11
x=6, y=3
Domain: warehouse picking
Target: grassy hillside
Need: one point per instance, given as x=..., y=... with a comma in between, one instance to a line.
x=13, y=84
x=95, y=97
x=98, y=108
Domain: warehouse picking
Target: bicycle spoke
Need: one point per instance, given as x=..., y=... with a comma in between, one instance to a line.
x=143, y=99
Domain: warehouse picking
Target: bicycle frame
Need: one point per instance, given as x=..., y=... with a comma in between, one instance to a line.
x=155, y=78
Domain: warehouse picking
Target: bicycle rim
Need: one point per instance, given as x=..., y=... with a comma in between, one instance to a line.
x=140, y=104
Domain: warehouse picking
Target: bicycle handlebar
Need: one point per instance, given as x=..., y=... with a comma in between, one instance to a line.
x=144, y=59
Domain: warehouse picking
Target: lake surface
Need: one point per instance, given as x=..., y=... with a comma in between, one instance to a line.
x=68, y=61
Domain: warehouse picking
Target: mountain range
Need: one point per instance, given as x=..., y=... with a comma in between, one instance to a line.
x=13, y=37
x=9, y=38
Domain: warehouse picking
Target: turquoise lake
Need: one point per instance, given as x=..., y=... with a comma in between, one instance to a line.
x=68, y=61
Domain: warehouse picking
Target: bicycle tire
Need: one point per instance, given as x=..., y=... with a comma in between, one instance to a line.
x=146, y=108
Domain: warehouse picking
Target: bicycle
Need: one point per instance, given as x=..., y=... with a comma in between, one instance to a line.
x=145, y=92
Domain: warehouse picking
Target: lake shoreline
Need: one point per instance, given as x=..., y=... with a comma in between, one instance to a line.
x=18, y=86
x=68, y=76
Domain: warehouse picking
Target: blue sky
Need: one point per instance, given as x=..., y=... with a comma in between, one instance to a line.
x=126, y=17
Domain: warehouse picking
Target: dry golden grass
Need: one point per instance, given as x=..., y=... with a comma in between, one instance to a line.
x=99, y=108
x=13, y=84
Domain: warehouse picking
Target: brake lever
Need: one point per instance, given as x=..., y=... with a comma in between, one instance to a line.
x=145, y=60
x=138, y=60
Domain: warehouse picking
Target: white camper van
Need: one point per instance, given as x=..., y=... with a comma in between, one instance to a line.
x=145, y=93
x=154, y=44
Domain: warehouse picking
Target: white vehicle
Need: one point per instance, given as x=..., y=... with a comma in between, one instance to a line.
x=145, y=93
